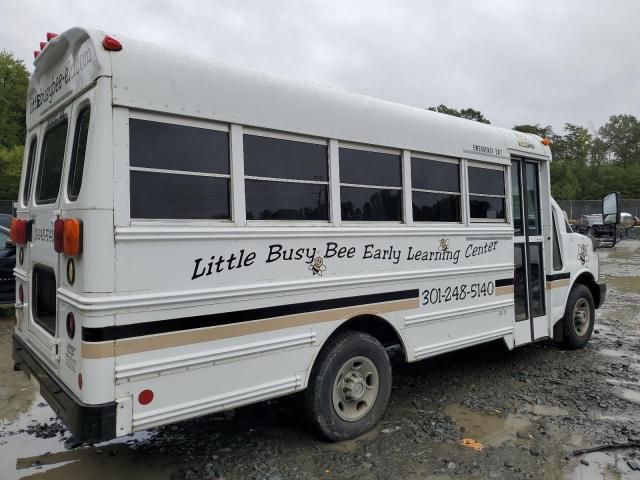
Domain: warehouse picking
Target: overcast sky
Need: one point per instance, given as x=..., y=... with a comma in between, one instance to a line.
x=517, y=61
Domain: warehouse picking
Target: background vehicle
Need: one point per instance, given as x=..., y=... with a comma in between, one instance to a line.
x=592, y=225
x=7, y=262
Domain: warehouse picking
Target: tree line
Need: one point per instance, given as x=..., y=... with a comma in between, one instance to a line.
x=586, y=163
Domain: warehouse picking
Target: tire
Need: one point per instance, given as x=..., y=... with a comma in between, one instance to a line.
x=577, y=327
x=349, y=386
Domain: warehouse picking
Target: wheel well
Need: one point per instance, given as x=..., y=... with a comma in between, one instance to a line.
x=375, y=326
x=586, y=279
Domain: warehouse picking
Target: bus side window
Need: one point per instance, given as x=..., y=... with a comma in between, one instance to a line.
x=178, y=171
x=370, y=185
x=28, y=174
x=435, y=190
x=285, y=179
x=486, y=193
x=79, y=150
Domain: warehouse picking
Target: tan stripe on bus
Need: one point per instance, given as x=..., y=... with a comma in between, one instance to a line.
x=558, y=283
x=506, y=290
x=208, y=334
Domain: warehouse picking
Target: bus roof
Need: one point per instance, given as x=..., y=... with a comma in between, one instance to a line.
x=153, y=78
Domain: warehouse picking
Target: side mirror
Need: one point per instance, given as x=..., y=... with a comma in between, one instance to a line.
x=611, y=208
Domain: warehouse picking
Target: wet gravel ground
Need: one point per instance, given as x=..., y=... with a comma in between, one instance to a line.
x=484, y=412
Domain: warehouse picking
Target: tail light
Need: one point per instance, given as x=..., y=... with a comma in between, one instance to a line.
x=71, y=325
x=19, y=231
x=67, y=236
x=21, y=295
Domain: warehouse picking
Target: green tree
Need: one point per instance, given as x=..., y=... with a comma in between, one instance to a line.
x=14, y=80
x=468, y=113
x=10, y=165
x=544, y=132
x=621, y=135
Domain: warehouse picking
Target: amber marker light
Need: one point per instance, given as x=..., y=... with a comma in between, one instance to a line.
x=72, y=237
x=546, y=142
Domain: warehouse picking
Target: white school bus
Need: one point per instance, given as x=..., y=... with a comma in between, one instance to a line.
x=193, y=237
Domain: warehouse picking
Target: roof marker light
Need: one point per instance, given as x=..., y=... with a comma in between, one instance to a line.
x=111, y=44
x=546, y=142
x=42, y=45
x=51, y=36
x=36, y=53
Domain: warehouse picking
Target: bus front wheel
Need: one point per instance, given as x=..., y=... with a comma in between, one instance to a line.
x=579, y=317
x=349, y=386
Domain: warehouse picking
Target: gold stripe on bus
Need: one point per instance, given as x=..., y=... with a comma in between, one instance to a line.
x=558, y=283
x=128, y=346
x=506, y=290
x=99, y=349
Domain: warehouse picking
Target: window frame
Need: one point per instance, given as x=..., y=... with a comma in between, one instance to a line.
x=185, y=122
x=460, y=194
x=277, y=135
x=82, y=108
x=58, y=121
x=488, y=166
x=32, y=158
x=400, y=188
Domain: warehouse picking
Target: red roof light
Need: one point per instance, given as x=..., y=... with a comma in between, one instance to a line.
x=36, y=53
x=111, y=44
x=51, y=35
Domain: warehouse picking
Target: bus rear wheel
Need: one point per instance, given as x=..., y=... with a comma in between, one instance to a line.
x=349, y=387
x=579, y=317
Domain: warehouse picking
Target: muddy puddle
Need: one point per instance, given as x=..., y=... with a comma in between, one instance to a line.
x=492, y=429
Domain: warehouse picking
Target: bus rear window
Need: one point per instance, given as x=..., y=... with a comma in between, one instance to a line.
x=27, y=176
x=51, y=159
x=79, y=150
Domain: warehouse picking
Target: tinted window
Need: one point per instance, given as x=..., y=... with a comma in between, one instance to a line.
x=27, y=177
x=486, y=207
x=516, y=197
x=166, y=195
x=436, y=207
x=557, y=257
x=519, y=285
x=79, y=150
x=369, y=168
x=277, y=158
x=51, y=159
x=286, y=201
x=536, y=280
x=44, y=298
x=486, y=181
x=178, y=147
x=533, y=209
x=370, y=204
x=434, y=175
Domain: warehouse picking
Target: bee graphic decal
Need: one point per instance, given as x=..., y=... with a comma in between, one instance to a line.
x=318, y=266
x=444, y=245
x=583, y=256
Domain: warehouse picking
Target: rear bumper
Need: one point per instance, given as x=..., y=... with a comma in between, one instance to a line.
x=89, y=423
x=602, y=288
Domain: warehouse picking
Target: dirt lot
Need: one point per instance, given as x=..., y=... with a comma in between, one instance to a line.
x=527, y=408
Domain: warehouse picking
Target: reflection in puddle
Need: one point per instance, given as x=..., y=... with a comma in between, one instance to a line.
x=488, y=429
x=546, y=410
x=624, y=284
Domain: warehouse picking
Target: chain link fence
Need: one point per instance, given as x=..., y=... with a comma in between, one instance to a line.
x=576, y=208
x=8, y=206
